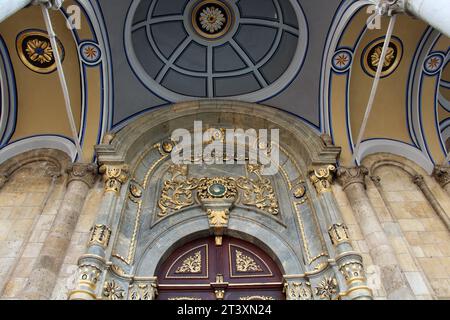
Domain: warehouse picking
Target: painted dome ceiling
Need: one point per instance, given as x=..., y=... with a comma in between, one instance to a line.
x=248, y=49
x=313, y=59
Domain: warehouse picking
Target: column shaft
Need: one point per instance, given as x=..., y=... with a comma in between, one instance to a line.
x=46, y=269
x=420, y=182
x=383, y=255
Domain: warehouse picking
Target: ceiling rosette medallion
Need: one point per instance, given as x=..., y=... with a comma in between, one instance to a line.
x=35, y=51
x=372, y=55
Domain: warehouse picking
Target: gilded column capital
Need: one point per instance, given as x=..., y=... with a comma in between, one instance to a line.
x=322, y=178
x=114, y=176
x=84, y=172
x=442, y=175
x=347, y=176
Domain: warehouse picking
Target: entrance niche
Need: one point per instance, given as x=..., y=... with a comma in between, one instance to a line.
x=235, y=270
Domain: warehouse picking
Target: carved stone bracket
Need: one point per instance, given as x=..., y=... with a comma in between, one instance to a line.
x=217, y=197
x=349, y=176
x=322, y=178
x=83, y=172
x=114, y=176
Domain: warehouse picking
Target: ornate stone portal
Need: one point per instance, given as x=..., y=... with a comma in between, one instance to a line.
x=161, y=204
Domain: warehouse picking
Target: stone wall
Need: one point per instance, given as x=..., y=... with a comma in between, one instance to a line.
x=419, y=238
x=67, y=275
x=30, y=199
x=29, y=202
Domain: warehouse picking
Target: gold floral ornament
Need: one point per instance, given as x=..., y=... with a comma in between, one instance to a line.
x=36, y=52
x=112, y=291
x=40, y=51
x=376, y=57
x=212, y=19
x=327, y=288
x=192, y=264
x=258, y=191
x=372, y=57
x=245, y=263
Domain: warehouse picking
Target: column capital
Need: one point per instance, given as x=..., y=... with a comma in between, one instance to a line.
x=322, y=178
x=442, y=175
x=418, y=180
x=84, y=172
x=3, y=179
x=114, y=176
x=347, y=176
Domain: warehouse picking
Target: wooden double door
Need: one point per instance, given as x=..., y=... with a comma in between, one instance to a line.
x=236, y=270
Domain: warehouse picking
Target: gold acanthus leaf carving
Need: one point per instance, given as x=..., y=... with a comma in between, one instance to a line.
x=258, y=191
x=192, y=264
x=177, y=192
x=245, y=263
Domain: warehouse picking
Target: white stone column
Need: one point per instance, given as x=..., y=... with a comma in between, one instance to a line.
x=420, y=182
x=46, y=268
x=93, y=263
x=353, y=184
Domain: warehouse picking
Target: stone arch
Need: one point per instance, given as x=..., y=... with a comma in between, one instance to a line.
x=305, y=239
x=58, y=162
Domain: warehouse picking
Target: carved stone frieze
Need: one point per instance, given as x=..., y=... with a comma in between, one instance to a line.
x=143, y=290
x=298, y=290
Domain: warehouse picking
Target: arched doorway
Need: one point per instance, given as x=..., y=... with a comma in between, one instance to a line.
x=236, y=270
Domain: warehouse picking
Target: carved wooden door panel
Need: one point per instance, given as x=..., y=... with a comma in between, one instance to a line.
x=236, y=270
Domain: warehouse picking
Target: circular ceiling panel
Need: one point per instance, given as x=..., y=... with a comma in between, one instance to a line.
x=189, y=49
